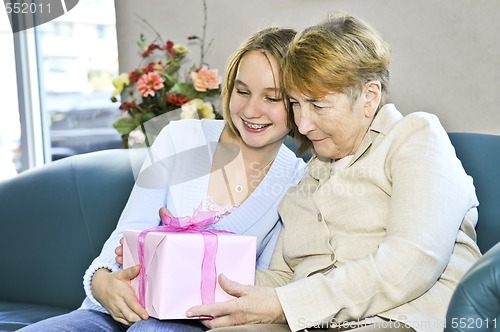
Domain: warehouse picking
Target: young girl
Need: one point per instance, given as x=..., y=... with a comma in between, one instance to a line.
x=238, y=168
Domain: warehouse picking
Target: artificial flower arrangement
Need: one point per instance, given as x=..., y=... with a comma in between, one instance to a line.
x=157, y=87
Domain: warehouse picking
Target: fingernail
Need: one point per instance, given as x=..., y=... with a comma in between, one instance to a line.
x=189, y=314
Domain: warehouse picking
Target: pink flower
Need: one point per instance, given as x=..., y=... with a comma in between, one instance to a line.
x=205, y=78
x=149, y=83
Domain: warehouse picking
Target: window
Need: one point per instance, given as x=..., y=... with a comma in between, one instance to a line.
x=78, y=57
x=10, y=131
x=66, y=67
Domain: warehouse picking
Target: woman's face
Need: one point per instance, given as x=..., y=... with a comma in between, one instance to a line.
x=334, y=124
x=256, y=104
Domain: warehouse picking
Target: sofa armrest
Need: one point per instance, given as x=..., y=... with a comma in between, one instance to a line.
x=475, y=304
x=54, y=220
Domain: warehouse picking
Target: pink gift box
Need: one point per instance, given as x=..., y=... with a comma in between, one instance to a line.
x=173, y=265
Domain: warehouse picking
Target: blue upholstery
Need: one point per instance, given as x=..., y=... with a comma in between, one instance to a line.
x=55, y=219
x=480, y=156
x=53, y=222
x=475, y=305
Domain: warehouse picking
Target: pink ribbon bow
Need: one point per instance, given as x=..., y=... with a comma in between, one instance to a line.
x=194, y=224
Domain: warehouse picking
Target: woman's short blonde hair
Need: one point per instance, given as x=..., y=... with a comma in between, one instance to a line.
x=340, y=54
x=272, y=42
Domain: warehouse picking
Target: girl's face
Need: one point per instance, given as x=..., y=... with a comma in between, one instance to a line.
x=257, y=106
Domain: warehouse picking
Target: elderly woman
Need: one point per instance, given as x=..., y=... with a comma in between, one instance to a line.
x=381, y=229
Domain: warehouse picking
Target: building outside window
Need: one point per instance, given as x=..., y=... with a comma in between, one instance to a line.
x=10, y=130
x=76, y=58
x=79, y=58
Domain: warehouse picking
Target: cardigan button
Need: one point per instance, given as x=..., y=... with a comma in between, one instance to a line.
x=320, y=217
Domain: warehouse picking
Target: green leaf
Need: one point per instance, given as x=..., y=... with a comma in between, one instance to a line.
x=169, y=78
x=173, y=68
x=169, y=81
x=138, y=119
x=187, y=89
x=124, y=125
x=213, y=92
x=148, y=116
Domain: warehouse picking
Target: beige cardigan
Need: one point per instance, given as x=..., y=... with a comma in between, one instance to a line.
x=389, y=236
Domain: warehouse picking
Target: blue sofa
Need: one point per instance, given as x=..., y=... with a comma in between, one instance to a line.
x=475, y=305
x=54, y=220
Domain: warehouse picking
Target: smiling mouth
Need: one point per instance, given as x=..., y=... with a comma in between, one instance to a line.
x=316, y=140
x=254, y=125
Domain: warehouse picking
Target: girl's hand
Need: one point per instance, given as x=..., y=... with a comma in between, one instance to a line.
x=113, y=291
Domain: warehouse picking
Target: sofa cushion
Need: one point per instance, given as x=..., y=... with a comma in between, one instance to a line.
x=14, y=316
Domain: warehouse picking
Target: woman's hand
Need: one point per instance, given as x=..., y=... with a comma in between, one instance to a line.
x=119, y=249
x=253, y=305
x=113, y=291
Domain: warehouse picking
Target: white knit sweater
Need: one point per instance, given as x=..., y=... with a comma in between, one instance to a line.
x=183, y=192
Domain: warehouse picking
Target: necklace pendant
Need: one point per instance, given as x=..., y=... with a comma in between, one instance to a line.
x=238, y=189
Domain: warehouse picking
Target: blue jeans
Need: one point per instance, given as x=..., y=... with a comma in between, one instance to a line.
x=95, y=321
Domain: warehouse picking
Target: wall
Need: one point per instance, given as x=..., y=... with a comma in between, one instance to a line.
x=446, y=53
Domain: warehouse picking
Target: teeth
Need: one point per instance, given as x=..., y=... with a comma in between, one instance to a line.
x=255, y=126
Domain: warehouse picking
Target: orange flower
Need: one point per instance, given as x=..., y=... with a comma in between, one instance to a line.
x=205, y=78
x=149, y=83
